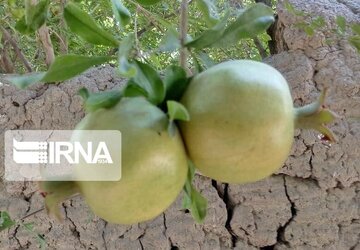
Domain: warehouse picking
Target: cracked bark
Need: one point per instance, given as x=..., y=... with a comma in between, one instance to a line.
x=229, y=209
x=142, y=247
x=73, y=228
x=222, y=191
x=172, y=246
x=103, y=236
x=281, y=230
x=14, y=236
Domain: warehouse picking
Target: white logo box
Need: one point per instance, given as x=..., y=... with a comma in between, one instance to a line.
x=62, y=155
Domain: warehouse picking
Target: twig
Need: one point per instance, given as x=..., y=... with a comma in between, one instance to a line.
x=143, y=30
x=17, y=50
x=150, y=25
x=260, y=48
x=45, y=39
x=47, y=44
x=63, y=45
x=7, y=63
x=32, y=213
x=136, y=32
x=148, y=14
x=183, y=34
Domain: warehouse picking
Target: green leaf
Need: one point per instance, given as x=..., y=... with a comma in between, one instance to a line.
x=148, y=2
x=188, y=184
x=17, y=12
x=193, y=200
x=5, y=221
x=149, y=80
x=341, y=23
x=126, y=69
x=159, y=19
x=198, y=206
x=206, y=60
x=210, y=36
x=36, y=15
x=82, y=24
x=132, y=89
x=170, y=41
x=186, y=201
x=318, y=23
x=177, y=111
x=22, y=27
x=24, y=81
x=84, y=93
x=191, y=172
x=176, y=82
x=105, y=100
x=290, y=8
x=198, y=67
x=67, y=66
x=251, y=22
x=29, y=226
x=40, y=239
x=356, y=28
x=209, y=10
x=121, y=13
x=309, y=30
x=355, y=41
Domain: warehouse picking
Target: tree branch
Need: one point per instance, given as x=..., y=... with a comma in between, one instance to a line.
x=183, y=34
x=260, y=47
x=136, y=32
x=17, y=50
x=62, y=37
x=6, y=64
x=45, y=39
x=44, y=36
x=62, y=42
x=148, y=14
x=143, y=30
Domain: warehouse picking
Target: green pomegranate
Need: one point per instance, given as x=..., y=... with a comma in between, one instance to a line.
x=154, y=164
x=242, y=121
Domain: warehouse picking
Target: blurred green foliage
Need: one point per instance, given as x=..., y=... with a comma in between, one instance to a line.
x=146, y=21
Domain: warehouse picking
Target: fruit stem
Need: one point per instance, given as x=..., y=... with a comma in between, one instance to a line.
x=55, y=192
x=315, y=116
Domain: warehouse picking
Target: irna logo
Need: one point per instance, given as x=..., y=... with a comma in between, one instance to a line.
x=36, y=152
x=63, y=155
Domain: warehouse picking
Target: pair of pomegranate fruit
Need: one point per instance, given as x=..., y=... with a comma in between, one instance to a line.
x=241, y=128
